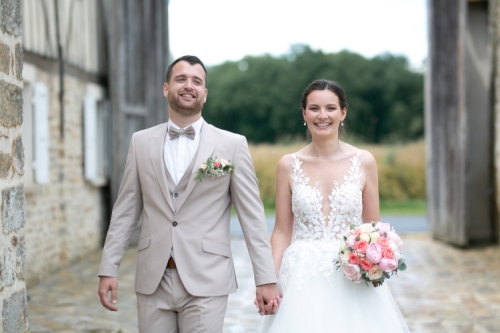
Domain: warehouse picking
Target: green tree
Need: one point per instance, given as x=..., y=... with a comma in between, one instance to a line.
x=259, y=97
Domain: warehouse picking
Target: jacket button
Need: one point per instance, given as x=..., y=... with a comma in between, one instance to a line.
x=174, y=223
x=176, y=195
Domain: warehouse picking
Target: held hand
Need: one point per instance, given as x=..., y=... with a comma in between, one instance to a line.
x=268, y=299
x=107, y=284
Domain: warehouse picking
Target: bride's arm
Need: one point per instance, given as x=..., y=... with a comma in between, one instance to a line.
x=371, y=208
x=283, y=226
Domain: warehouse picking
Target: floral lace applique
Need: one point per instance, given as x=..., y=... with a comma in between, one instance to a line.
x=314, y=241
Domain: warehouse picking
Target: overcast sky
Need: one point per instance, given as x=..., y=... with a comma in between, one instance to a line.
x=221, y=30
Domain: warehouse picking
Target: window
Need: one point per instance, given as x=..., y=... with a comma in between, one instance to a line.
x=35, y=129
x=41, y=133
x=97, y=136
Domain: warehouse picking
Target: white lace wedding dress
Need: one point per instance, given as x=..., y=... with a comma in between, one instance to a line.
x=316, y=297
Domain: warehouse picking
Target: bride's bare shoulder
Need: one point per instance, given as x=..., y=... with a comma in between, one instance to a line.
x=287, y=160
x=365, y=156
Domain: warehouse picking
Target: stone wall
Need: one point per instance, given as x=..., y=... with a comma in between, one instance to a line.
x=13, y=304
x=494, y=10
x=64, y=217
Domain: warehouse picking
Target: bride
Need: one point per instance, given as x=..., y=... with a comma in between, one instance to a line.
x=320, y=191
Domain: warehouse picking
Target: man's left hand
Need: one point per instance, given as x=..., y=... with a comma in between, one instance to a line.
x=268, y=299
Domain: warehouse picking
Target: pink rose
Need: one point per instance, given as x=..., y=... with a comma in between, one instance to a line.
x=350, y=241
x=366, y=265
x=383, y=228
x=203, y=166
x=216, y=164
x=354, y=258
x=394, y=238
x=383, y=242
x=361, y=246
x=388, y=265
x=352, y=272
x=387, y=253
x=375, y=273
x=374, y=253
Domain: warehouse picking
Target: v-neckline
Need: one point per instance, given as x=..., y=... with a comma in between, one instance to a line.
x=335, y=188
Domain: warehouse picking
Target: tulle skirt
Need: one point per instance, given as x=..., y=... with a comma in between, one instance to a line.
x=330, y=303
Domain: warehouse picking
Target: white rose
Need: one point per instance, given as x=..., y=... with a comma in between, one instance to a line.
x=343, y=246
x=366, y=228
x=375, y=273
x=365, y=237
x=393, y=247
x=344, y=257
x=397, y=255
x=374, y=236
x=223, y=162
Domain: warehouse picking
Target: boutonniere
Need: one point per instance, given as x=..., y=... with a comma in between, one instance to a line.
x=214, y=168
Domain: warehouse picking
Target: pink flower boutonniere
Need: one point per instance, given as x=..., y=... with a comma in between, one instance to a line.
x=214, y=168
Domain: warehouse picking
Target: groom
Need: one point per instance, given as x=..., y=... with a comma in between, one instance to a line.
x=185, y=268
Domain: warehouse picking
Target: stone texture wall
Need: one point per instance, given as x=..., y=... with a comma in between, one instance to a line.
x=494, y=12
x=64, y=217
x=13, y=300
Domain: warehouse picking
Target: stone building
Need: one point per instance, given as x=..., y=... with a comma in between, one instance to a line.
x=13, y=305
x=90, y=70
x=92, y=75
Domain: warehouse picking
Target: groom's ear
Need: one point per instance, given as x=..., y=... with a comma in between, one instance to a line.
x=165, y=89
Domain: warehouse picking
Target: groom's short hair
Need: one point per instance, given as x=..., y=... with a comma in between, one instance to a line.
x=192, y=60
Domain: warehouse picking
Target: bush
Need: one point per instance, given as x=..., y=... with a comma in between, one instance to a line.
x=401, y=169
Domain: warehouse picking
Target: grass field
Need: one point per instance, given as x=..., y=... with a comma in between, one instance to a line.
x=401, y=169
x=410, y=207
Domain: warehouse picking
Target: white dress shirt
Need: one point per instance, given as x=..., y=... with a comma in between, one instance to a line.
x=179, y=152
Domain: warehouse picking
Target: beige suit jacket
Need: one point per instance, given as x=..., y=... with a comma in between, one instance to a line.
x=199, y=230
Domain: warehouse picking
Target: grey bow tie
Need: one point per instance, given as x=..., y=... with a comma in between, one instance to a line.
x=174, y=132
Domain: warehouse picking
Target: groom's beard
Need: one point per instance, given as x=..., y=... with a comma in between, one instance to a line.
x=183, y=108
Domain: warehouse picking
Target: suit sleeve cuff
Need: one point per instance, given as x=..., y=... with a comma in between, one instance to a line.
x=265, y=280
x=108, y=270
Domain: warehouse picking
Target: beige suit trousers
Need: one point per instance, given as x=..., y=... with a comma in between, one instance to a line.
x=171, y=309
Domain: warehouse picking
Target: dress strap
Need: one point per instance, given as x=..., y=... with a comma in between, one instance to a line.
x=354, y=173
x=298, y=175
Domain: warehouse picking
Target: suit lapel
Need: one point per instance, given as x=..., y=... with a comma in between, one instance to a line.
x=156, y=152
x=205, y=150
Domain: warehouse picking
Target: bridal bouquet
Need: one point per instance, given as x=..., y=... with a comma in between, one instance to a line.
x=370, y=252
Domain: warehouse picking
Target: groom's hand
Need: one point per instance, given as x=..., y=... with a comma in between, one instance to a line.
x=107, y=284
x=268, y=299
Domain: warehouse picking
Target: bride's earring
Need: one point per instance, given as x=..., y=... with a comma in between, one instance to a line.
x=305, y=123
x=342, y=124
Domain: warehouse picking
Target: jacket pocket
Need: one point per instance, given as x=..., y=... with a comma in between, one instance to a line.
x=216, y=248
x=143, y=243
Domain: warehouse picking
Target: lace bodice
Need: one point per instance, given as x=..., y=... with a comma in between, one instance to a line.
x=345, y=203
x=316, y=237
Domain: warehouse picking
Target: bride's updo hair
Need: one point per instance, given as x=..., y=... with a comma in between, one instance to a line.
x=323, y=84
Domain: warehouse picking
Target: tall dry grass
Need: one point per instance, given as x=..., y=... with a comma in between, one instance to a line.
x=401, y=169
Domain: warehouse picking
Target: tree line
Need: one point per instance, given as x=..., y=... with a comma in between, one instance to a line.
x=259, y=96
